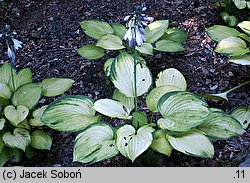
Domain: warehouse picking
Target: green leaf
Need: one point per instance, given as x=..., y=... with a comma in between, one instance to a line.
x=220, y=32
x=245, y=26
x=243, y=60
x=20, y=139
x=168, y=46
x=192, y=143
x=91, y=52
x=232, y=46
x=122, y=75
x=110, y=42
x=161, y=144
x=40, y=140
x=24, y=124
x=140, y=118
x=95, y=143
x=112, y=109
x=72, y=113
x=96, y=29
x=119, y=30
x=232, y=21
x=107, y=66
x=130, y=143
x=8, y=153
x=242, y=114
x=221, y=126
x=123, y=99
x=176, y=35
x=2, y=123
x=27, y=95
x=56, y=86
x=244, y=37
x=37, y=115
x=5, y=73
x=5, y=91
x=20, y=79
x=181, y=111
x=155, y=30
x=171, y=77
x=16, y=114
x=146, y=48
x=241, y=4
x=155, y=95
x=1, y=142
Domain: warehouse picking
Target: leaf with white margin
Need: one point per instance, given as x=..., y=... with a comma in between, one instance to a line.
x=245, y=26
x=37, y=115
x=122, y=75
x=232, y=46
x=20, y=139
x=112, y=108
x=107, y=66
x=220, y=125
x=2, y=123
x=24, y=124
x=110, y=42
x=4, y=91
x=72, y=113
x=155, y=95
x=23, y=77
x=181, y=111
x=242, y=114
x=27, y=95
x=220, y=32
x=95, y=143
x=96, y=28
x=241, y=4
x=126, y=101
x=56, y=86
x=155, y=30
x=171, y=77
x=161, y=144
x=192, y=143
x=5, y=73
x=40, y=140
x=243, y=60
x=130, y=143
x=16, y=114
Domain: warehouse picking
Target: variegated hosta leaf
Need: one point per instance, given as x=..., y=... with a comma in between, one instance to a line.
x=181, y=111
x=161, y=144
x=126, y=101
x=110, y=42
x=220, y=32
x=171, y=77
x=241, y=4
x=243, y=60
x=107, y=66
x=232, y=46
x=2, y=123
x=40, y=140
x=95, y=143
x=27, y=95
x=20, y=79
x=155, y=95
x=20, y=139
x=112, y=108
x=245, y=26
x=155, y=30
x=16, y=114
x=4, y=91
x=219, y=125
x=122, y=75
x=5, y=73
x=192, y=143
x=37, y=115
x=242, y=114
x=72, y=113
x=56, y=86
x=24, y=124
x=96, y=28
x=130, y=143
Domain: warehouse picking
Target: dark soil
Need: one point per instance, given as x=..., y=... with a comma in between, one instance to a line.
x=51, y=32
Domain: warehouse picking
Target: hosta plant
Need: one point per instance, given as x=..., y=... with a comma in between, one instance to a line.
x=186, y=123
x=20, y=123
